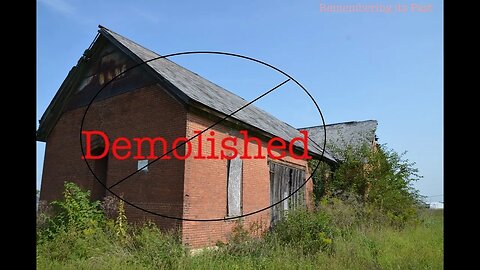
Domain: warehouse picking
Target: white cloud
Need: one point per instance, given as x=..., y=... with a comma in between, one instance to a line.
x=60, y=6
x=65, y=8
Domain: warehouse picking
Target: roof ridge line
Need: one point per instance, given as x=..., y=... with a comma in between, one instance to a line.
x=340, y=123
x=199, y=76
x=167, y=59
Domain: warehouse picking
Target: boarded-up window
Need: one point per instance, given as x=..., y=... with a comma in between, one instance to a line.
x=285, y=180
x=234, y=187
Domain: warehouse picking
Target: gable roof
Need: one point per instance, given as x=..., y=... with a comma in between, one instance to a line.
x=342, y=135
x=193, y=90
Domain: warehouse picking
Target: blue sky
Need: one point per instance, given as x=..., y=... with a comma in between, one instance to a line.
x=358, y=66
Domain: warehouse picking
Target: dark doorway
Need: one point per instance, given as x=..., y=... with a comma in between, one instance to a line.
x=99, y=167
x=284, y=180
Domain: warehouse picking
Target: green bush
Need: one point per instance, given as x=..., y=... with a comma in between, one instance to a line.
x=309, y=231
x=75, y=229
x=344, y=215
x=72, y=244
x=241, y=242
x=74, y=213
x=156, y=249
x=379, y=178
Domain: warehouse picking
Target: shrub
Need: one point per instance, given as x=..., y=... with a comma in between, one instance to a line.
x=44, y=211
x=343, y=214
x=109, y=206
x=74, y=213
x=379, y=177
x=156, y=249
x=71, y=244
x=121, y=224
x=244, y=241
x=309, y=231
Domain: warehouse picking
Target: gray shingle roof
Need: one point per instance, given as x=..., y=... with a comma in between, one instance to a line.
x=199, y=89
x=342, y=135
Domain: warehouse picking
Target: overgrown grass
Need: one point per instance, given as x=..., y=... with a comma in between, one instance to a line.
x=338, y=235
x=414, y=247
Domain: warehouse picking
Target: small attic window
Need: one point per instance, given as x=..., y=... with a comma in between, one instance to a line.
x=141, y=164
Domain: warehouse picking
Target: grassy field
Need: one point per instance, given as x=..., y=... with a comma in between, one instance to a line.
x=415, y=246
x=366, y=215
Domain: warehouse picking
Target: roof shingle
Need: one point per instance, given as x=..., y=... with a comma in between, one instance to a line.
x=201, y=90
x=342, y=135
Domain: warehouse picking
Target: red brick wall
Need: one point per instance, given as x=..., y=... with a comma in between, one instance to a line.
x=192, y=188
x=206, y=188
x=146, y=112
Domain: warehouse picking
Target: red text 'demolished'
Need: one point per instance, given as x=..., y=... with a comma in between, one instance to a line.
x=158, y=147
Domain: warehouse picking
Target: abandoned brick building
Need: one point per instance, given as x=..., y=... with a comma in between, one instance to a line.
x=163, y=98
